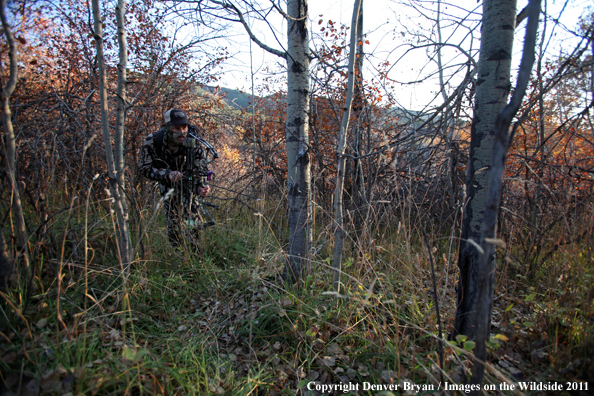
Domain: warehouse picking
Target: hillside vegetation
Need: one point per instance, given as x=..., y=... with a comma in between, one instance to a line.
x=219, y=317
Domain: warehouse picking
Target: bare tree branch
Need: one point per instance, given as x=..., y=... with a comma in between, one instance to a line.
x=237, y=11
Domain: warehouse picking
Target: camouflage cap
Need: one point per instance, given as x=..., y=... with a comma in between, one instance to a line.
x=176, y=117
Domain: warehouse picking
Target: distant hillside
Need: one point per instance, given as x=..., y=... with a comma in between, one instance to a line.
x=240, y=100
x=234, y=98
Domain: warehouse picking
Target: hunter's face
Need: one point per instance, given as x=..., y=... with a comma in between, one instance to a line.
x=179, y=133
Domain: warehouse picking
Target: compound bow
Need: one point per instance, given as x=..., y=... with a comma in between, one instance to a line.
x=195, y=177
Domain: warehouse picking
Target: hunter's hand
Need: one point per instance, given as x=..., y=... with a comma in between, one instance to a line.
x=175, y=176
x=203, y=191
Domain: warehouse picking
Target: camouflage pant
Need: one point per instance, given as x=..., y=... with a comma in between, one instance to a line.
x=181, y=210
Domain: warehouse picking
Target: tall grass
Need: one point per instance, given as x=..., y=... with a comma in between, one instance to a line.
x=217, y=320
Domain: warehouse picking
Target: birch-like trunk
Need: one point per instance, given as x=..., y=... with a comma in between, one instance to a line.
x=10, y=146
x=115, y=170
x=339, y=232
x=297, y=128
x=492, y=90
x=358, y=187
x=297, y=136
x=494, y=191
x=120, y=165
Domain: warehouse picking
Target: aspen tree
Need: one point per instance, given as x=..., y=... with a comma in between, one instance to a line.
x=339, y=232
x=492, y=89
x=297, y=56
x=115, y=163
x=490, y=141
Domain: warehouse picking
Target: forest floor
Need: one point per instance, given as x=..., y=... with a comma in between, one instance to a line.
x=220, y=322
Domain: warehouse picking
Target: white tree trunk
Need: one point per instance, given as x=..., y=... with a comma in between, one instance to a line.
x=297, y=127
x=297, y=136
x=115, y=171
x=120, y=165
x=492, y=90
x=339, y=232
x=493, y=197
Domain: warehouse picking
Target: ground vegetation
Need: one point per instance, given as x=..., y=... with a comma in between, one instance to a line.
x=220, y=319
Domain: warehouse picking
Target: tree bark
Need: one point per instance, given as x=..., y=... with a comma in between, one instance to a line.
x=358, y=186
x=500, y=149
x=492, y=90
x=296, y=128
x=115, y=171
x=120, y=166
x=339, y=232
x=297, y=136
x=10, y=146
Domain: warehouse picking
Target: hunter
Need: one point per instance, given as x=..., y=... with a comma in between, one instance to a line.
x=163, y=158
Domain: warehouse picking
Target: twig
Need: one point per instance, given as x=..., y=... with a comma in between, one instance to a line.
x=436, y=304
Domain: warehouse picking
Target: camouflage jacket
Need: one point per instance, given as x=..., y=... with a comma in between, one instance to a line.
x=172, y=158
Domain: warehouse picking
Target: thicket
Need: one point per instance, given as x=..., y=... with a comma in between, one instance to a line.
x=220, y=320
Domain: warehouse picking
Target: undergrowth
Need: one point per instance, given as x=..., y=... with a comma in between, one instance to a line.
x=218, y=319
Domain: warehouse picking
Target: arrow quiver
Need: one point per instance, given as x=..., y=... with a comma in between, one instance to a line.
x=197, y=175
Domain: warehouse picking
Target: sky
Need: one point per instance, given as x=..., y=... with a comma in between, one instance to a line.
x=392, y=29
